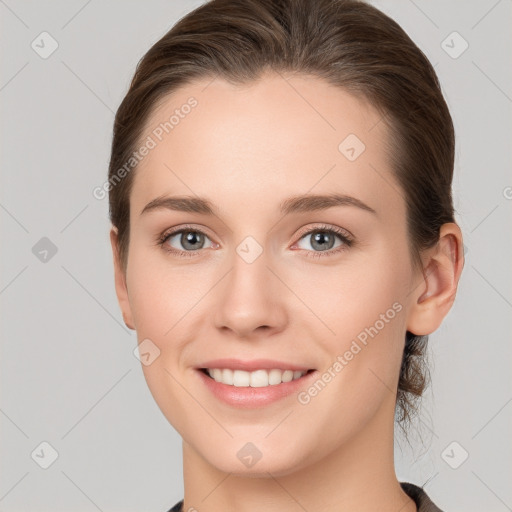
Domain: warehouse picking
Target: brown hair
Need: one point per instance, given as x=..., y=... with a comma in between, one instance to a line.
x=348, y=43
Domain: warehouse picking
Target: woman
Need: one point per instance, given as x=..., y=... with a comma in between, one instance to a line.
x=284, y=241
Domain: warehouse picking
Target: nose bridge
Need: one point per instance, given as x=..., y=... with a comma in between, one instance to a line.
x=249, y=298
x=249, y=281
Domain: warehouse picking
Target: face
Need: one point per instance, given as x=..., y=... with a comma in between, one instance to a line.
x=303, y=284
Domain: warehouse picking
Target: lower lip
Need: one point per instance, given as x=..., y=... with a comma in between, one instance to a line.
x=248, y=397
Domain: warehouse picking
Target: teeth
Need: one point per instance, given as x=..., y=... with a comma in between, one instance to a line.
x=274, y=377
x=225, y=376
x=256, y=379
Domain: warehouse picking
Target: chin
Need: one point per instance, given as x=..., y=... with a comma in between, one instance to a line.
x=253, y=461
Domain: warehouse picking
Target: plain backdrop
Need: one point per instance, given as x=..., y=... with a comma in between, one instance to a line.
x=68, y=374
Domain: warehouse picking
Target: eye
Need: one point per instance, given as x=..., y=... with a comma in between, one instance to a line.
x=322, y=240
x=189, y=240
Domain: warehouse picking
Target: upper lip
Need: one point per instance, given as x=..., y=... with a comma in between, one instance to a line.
x=252, y=365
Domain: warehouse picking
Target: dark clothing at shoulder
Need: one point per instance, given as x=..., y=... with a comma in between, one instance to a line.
x=420, y=497
x=177, y=507
x=417, y=494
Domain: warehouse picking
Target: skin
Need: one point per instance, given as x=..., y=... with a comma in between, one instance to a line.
x=247, y=148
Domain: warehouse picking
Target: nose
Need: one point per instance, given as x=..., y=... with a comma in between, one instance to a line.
x=250, y=301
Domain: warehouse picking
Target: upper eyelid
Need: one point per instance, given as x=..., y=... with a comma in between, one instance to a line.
x=326, y=227
x=172, y=231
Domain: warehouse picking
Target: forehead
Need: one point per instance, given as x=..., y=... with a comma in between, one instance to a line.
x=271, y=138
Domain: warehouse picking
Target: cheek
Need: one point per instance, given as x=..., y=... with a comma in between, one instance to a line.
x=352, y=296
x=161, y=294
x=363, y=307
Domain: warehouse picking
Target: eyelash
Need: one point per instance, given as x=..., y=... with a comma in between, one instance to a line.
x=347, y=240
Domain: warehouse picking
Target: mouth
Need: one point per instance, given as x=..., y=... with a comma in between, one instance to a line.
x=253, y=384
x=255, y=379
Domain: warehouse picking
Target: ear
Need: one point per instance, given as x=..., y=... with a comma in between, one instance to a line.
x=120, y=281
x=434, y=296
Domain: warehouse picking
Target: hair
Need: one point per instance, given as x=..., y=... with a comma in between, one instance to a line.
x=347, y=43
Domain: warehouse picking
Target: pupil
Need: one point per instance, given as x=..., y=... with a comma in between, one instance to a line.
x=191, y=239
x=322, y=240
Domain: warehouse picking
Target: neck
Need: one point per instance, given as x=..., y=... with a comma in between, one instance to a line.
x=359, y=475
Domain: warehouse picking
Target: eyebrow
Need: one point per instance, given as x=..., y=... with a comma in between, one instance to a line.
x=295, y=204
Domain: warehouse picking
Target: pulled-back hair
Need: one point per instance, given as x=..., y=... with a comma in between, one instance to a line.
x=348, y=43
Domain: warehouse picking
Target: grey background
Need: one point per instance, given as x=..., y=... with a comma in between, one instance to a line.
x=68, y=373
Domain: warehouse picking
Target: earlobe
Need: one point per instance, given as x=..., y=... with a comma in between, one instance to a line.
x=120, y=281
x=434, y=297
